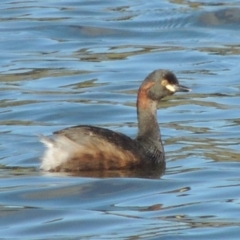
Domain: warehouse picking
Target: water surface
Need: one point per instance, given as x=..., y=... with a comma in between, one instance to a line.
x=66, y=63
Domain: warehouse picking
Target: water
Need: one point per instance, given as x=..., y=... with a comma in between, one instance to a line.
x=65, y=63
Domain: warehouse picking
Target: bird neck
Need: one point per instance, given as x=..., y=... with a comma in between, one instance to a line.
x=148, y=127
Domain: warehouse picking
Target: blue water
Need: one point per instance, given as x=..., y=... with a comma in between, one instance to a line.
x=65, y=63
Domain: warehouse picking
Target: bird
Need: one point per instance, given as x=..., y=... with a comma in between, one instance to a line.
x=91, y=148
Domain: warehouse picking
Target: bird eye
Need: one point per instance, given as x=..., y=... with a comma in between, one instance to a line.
x=164, y=82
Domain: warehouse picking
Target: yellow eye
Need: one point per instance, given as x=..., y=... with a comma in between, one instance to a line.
x=164, y=82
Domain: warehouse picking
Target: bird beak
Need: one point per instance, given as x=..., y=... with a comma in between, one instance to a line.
x=177, y=88
x=181, y=88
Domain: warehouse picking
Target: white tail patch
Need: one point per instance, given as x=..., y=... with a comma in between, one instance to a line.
x=59, y=151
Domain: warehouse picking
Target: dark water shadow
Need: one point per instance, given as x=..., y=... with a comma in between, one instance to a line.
x=219, y=18
x=148, y=173
x=139, y=173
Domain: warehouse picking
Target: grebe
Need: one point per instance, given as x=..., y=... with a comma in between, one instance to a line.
x=84, y=148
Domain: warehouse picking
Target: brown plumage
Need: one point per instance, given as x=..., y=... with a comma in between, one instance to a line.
x=84, y=148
